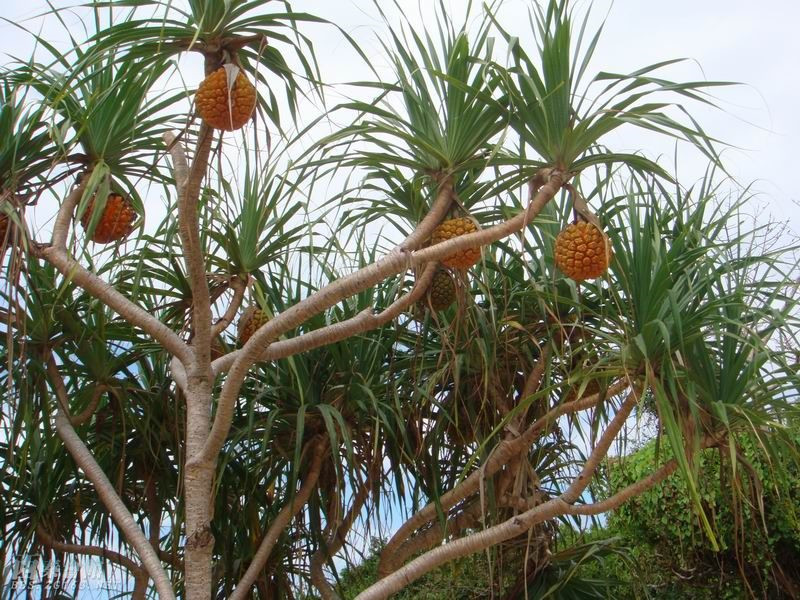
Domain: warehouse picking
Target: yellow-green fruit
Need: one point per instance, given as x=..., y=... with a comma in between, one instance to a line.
x=116, y=222
x=582, y=251
x=442, y=292
x=590, y=389
x=251, y=320
x=463, y=259
x=224, y=108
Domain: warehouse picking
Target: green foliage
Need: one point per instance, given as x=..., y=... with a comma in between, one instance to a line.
x=153, y=31
x=24, y=142
x=672, y=557
x=694, y=304
x=573, y=573
x=462, y=580
x=564, y=119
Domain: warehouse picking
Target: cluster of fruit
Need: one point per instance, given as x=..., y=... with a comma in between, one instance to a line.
x=582, y=251
x=252, y=319
x=442, y=291
x=225, y=100
x=115, y=223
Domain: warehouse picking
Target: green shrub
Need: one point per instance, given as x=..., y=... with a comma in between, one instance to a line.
x=574, y=572
x=464, y=579
x=759, y=551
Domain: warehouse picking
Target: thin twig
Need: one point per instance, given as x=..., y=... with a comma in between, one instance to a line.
x=89, y=550
x=239, y=287
x=87, y=412
x=242, y=590
x=335, y=542
x=105, y=490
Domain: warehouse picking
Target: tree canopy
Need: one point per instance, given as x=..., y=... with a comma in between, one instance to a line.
x=248, y=326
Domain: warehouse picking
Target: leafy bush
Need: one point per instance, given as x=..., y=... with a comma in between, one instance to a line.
x=673, y=558
x=576, y=572
x=460, y=580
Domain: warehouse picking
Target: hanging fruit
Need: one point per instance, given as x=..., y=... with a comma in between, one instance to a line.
x=116, y=222
x=582, y=251
x=226, y=98
x=452, y=228
x=442, y=291
x=591, y=388
x=252, y=319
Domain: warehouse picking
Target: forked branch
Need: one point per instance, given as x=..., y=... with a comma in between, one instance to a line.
x=58, y=255
x=345, y=287
x=334, y=543
x=500, y=456
x=639, y=487
x=189, y=181
x=336, y=332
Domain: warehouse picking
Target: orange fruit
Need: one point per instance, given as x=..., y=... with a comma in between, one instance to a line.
x=115, y=223
x=251, y=321
x=222, y=107
x=463, y=259
x=582, y=251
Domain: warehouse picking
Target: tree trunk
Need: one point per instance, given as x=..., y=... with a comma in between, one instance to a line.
x=197, y=493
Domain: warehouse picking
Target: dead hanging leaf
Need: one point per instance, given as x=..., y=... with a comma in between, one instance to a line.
x=231, y=72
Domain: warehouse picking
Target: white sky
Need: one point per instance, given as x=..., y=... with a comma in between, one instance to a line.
x=731, y=40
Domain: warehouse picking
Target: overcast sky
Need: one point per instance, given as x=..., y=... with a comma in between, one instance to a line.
x=730, y=40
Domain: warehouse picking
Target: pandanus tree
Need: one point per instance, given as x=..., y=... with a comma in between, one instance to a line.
x=227, y=366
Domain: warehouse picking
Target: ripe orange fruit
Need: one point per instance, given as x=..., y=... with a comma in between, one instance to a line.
x=251, y=320
x=224, y=108
x=442, y=292
x=450, y=229
x=582, y=251
x=115, y=223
